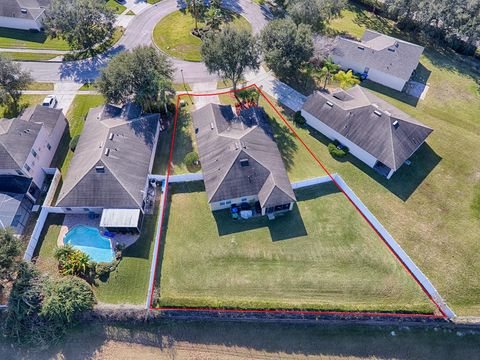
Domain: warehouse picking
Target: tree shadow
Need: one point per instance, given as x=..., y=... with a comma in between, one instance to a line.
x=285, y=142
x=62, y=148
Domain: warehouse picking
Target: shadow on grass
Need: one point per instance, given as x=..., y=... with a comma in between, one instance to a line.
x=23, y=35
x=406, y=179
x=62, y=149
x=397, y=95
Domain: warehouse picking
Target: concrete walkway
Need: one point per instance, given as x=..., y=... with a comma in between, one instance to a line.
x=204, y=88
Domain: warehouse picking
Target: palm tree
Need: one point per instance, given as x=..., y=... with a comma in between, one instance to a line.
x=346, y=79
x=327, y=71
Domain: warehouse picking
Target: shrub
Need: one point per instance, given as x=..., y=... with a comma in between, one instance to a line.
x=191, y=159
x=299, y=119
x=337, y=150
x=72, y=261
x=10, y=248
x=74, y=142
x=247, y=95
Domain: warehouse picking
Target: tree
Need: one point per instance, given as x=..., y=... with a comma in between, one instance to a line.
x=196, y=8
x=12, y=81
x=41, y=309
x=230, y=53
x=314, y=12
x=65, y=299
x=82, y=23
x=143, y=76
x=286, y=46
x=10, y=248
x=214, y=17
x=72, y=261
x=327, y=71
x=346, y=79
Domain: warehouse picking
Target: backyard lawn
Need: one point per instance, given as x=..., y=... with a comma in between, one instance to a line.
x=11, y=38
x=128, y=284
x=322, y=255
x=173, y=34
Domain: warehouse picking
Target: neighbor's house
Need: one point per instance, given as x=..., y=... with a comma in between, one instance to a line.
x=27, y=146
x=108, y=174
x=240, y=159
x=376, y=132
x=383, y=59
x=23, y=14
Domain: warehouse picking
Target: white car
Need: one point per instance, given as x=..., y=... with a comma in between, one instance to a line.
x=50, y=101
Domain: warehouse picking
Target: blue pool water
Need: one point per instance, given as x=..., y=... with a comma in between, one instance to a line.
x=91, y=242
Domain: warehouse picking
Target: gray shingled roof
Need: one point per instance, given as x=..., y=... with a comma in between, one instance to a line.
x=126, y=165
x=224, y=140
x=18, y=135
x=376, y=126
x=13, y=8
x=381, y=52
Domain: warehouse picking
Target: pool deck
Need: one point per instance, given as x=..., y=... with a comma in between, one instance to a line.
x=72, y=220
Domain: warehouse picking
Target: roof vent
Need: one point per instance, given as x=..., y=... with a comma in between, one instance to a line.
x=107, y=151
x=329, y=103
x=395, y=124
x=110, y=137
x=378, y=113
x=100, y=169
x=23, y=10
x=360, y=47
x=211, y=125
x=244, y=162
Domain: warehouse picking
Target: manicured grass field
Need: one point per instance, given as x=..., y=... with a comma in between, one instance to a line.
x=173, y=34
x=76, y=119
x=116, y=7
x=428, y=207
x=322, y=255
x=21, y=56
x=11, y=38
x=25, y=101
x=128, y=284
x=41, y=86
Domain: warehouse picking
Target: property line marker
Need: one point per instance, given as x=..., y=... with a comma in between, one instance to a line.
x=279, y=311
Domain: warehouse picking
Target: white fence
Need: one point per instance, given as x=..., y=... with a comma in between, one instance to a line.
x=311, y=182
x=178, y=178
x=417, y=273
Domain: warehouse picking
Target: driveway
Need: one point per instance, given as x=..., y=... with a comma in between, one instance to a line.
x=139, y=32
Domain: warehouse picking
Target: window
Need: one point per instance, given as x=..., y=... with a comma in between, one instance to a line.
x=222, y=203
x=34, y=153
x=49, y=147
x=228, y=202
x=68, y=209
x=86, y=209
x=28, y=168
x=244, y=199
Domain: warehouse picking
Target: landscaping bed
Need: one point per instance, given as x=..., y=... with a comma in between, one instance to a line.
x=322, y=255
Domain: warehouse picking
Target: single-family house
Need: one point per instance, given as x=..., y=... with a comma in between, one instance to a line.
x=381, y=58
x=240, y=160
x=27, y=146
x=376, y=132
x=108, y=174
x=23, y=14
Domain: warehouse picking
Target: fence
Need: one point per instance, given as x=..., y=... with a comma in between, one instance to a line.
x=178, y=178
x=311, y=182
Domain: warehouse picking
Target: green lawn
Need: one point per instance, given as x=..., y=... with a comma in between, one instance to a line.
x=173, y=34
x=182, y=87
x=76, y=119
x=25, y=101
x=322, y=255
x=11, y=38
x=21, y=56
x=116, y=7
x=41, y=86
x=128, y=284
x=427, y=206
x=184, y=143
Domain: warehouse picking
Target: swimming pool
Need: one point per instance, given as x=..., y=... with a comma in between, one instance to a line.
x=91, y=242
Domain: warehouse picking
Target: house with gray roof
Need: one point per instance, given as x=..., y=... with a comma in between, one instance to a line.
x=383, y=59
x=376, y=132
x=27, y=146
x=240, y=159
x=23, y=14
x=110, y=167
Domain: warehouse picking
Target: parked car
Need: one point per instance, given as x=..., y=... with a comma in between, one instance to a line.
x=50, y=101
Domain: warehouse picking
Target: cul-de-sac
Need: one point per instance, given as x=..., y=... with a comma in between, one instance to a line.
x=239, y=179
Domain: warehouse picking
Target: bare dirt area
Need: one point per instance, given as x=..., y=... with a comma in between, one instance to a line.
x=173, y=339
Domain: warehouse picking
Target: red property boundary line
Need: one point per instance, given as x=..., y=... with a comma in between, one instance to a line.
x=286, y=312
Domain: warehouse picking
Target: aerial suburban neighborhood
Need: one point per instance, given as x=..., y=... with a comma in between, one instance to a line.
x=239, y=179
